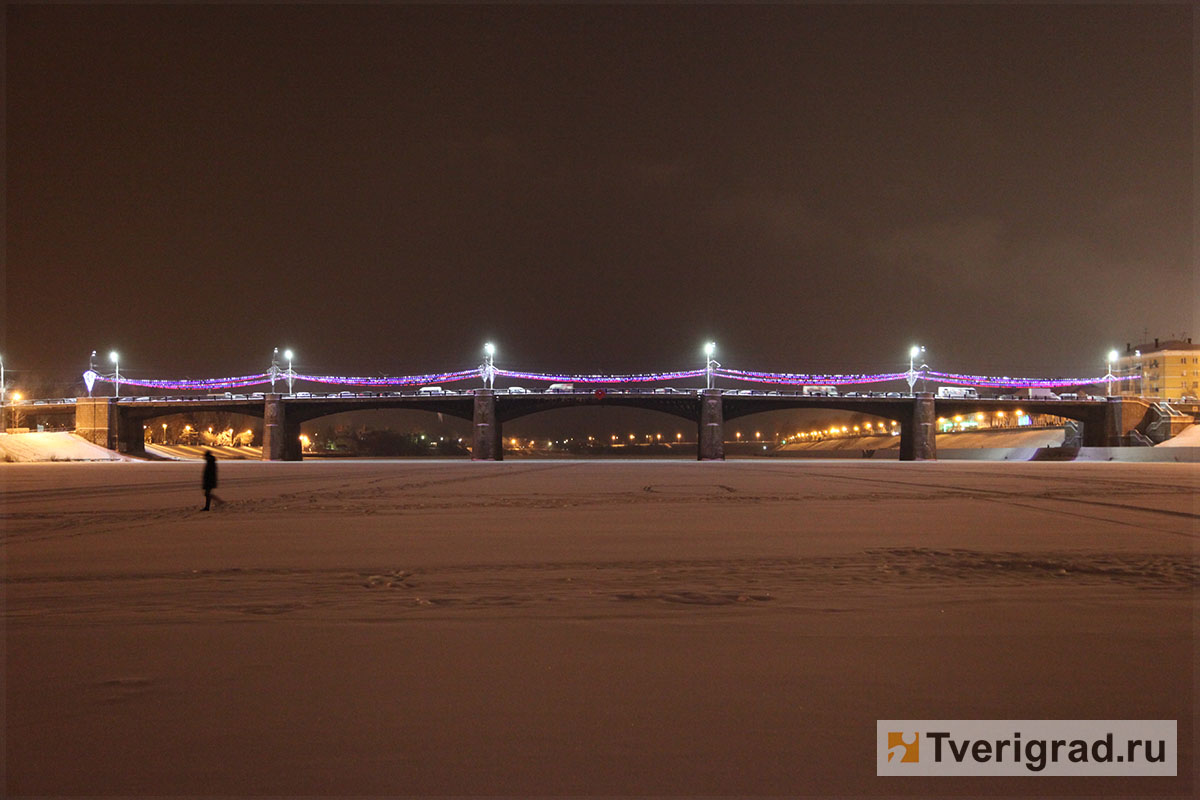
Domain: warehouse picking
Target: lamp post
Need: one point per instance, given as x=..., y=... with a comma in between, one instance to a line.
x=710, y=364
x=14, y=413
x=913, y=354
x=291, y=375
x=274, y=370
x=489, y=365
x=115, y=358
x=1, y=380
x=1113, y=355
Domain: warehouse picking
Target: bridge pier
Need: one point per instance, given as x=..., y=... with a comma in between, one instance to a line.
x=487, y=442
x=1122, y=416
x=918, y=435
x=281, y=438
x=96, y=420
x=710, y=427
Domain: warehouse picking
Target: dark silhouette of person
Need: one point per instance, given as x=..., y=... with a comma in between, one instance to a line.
x=210, y=479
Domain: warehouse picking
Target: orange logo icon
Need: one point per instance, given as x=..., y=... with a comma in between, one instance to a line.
x=904, y=747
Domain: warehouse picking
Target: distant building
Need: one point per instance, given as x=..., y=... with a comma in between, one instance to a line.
x=1165, y=370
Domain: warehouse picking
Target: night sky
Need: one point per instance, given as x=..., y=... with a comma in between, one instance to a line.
x=596, y=189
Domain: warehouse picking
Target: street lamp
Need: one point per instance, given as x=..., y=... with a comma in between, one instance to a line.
x=290, y=374
x=1, y=380
x=489, y=365
x=710, y=364
x=1113, y=355
x=913, y=354
x=116, y=360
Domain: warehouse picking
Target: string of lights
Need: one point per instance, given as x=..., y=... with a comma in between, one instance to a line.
x=648, y=377
x=201, y=384
x=408, y=380
x=789, y=378
x=1012, y=383
x=779, y=378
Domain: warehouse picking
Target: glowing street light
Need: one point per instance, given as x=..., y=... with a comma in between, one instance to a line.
x=115, y=358
x=1113, y=355
x=291, y=375
x=710, y=364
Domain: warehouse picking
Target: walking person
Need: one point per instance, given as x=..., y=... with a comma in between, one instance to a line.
x=210, y=479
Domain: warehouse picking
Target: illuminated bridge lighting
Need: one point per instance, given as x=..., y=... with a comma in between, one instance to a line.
x=776, y=378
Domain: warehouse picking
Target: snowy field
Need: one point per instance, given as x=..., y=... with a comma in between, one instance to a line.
x=56, y=446
x=565, y=627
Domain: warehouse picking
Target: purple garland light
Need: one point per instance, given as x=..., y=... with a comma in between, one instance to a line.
x=190, y=385
x=782, y=378
x=789, y=378
x=642, y=378
x=408, y=380
x=1006, y=382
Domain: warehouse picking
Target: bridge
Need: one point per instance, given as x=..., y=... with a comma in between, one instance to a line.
x=117, y=423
